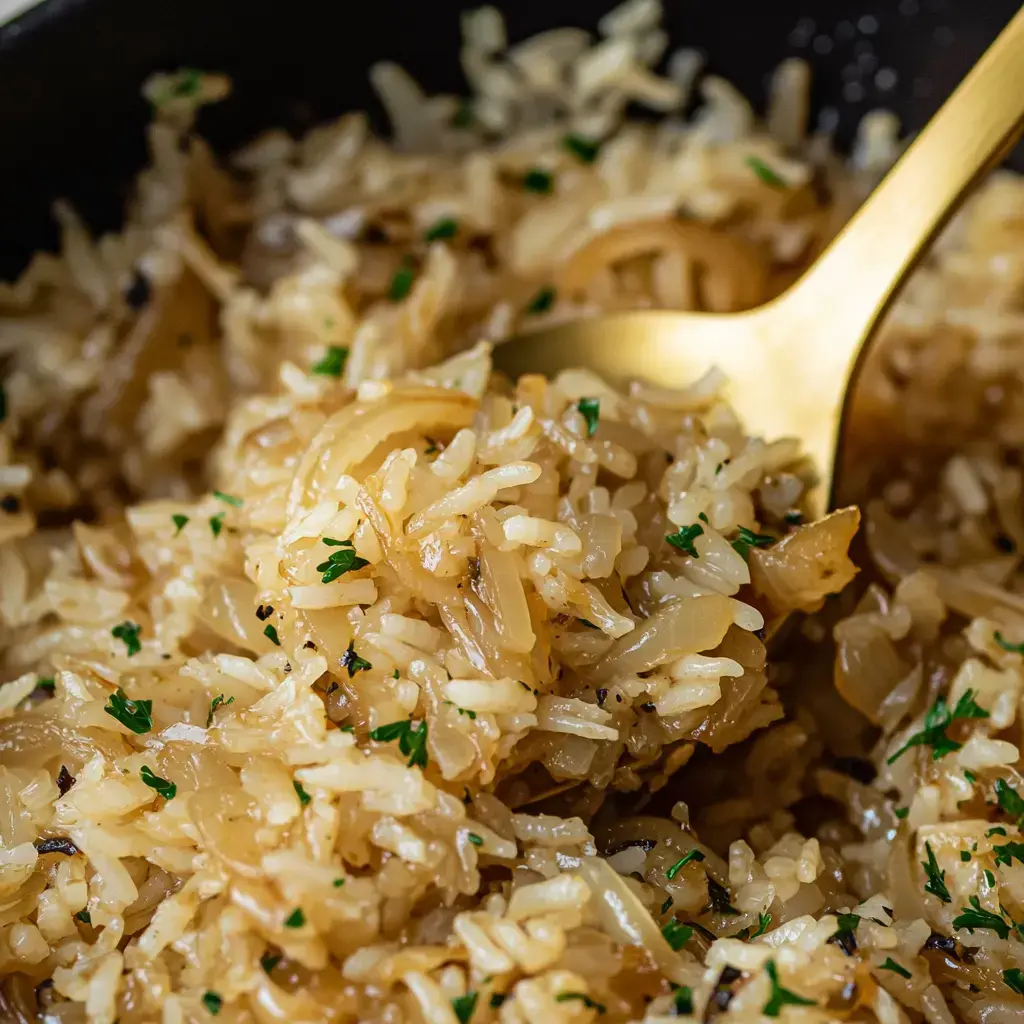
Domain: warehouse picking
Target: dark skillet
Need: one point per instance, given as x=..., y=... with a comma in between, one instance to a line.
x=71, y=118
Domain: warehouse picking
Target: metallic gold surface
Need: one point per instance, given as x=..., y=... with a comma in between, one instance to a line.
x=790, y=362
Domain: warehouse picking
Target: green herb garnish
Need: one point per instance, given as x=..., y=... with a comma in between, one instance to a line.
x=1007, y=646
x=401, y=283
x=216, y=703
x=136, y=715
x=763, y=920
x=541, y=302
x=340, y=562
x=979, y=918
x=990, y=878
x=296, y=919
x=168, y=790
x=271, y=634
x=936, y=883
x=333, y=362
x=304, y=797
x=590, y=408
x=694, y=855
x=677, y=934
x=470, y=714
x=765, y=173
x=49, y=683
x=585, y=150
x=970, y=776
x=212, y=1002
x=1009, y=800
x=475, y=839
x=228, y=499
x=682, y=1001
x=683, y=540
x=351, y=661
x=332, y=543
x=937, y=721
x=781, y=996
x=180, y=522
x=901, y=812
x=446, y=227
x=129, y=633
x=338, y=883
x=497, y=999
x=747, y=539
x=891, y=965
x=590, y=1004
x=539, y=181
x=1005, y=854
x=965, y=856
x=463, y=1006
x=269, y=962
x=666, y=906
x=1014, y=979
x=84, y=916
x=216, y=523
x=411, y=741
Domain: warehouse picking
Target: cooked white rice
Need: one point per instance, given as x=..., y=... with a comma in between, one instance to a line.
x=348, y=682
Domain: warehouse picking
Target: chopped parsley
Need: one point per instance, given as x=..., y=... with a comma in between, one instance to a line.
x=49, y=683
x=970, y=776
x=269, y=962
x=84, y=916
x=901, y=812
x=469, y=713
x=539, y=181
x=129, y=633
x=475, y=839
x=212, y=1002
x=216, y=523
x=463, y=1006
x=1009, y=800
x=168, y=790
x=590, y=1004
x=228, y=499
x=747, y=539
x=677, y=934
x=936, y=721
x=340, y=562
x=683, y=540
x=338, y=883
x=186, y=82
x=765, y=173
x=136, y=715
x=936, y=883
x=844, y=936
x=304, y=797
x=180, y=522
x=997, y=831
x=965, y=855
x=446, y=227
x=216, y=703
x=333, y=362
x=781, y=996
x=271, y=634
x=401, y=283
x=976, y=917
x=1014, y=979
x=1005, y=854
x=763, y=920
x=585, y=150
x=590, y=408
x=693, y=855
x=296, y=919
x=1007, y=646
x=666, y=906
x=541, y=302
x=891, y=965
x=718, y=896
x=497, y=999
x=351, y=661
x=682, y=1001
x=411, y=741
x=990, y=879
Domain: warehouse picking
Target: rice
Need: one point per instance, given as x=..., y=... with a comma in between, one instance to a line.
x=345, y=680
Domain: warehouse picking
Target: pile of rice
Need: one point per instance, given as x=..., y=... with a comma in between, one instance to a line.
x=347, y=681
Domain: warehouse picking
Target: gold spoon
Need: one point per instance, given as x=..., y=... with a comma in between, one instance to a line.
x=791, y=362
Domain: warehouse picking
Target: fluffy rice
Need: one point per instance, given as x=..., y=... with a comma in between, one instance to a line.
x=347, y=681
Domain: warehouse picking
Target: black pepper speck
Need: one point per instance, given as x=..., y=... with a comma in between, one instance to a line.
x=138, y=293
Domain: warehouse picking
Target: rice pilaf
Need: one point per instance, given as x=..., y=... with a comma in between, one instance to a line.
x=348, y=681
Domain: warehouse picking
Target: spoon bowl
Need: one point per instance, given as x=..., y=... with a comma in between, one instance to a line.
x=791, y=362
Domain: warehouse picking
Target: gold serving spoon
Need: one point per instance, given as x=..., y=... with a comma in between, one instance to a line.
x=791, y=362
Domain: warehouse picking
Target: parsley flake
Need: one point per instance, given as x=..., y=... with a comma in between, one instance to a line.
x=129, y=633
x=411, y=741
x=891, y=965
x=677, y=934
x=781, y=996
x=351, y=661
x=539, y=181
x=84, y=916
x=333, y=362
x=765, y=173
x=49, y=683
x=338, y=883
x=666, y=906
x=970, y=776
x=901, y=812
x=402, y=282
x=340, y=562
x=269, y=962
x=296, y=919
x=936, y=883
x=136, y=715
x=304, y=797
x=212, y=1002
x=937, y=719
x=763, y=920
x=541, y=302
x=590, y=408
x=228, y=499
x=1014, y=979
x=463, y=1006
x=590, y=1004
x=1009, y=800
x=585, y=150
x=693, y=855
x=475, y=839
x=446, y=227
x=747, y=539
x=683, y=540
x=168, y=790
x=332, y=543
x=990, y=879
x=180, y=522
x=976, y=917
x=216, y=703
x=682, y=1001
x=497, y=999
x=965, y=855
x=216, y=523
x=271, y=634
x=997, y=831
x=1007, y=646
x=1006, y=853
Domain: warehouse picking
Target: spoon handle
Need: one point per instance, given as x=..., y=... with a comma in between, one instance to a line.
x=857, y=277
